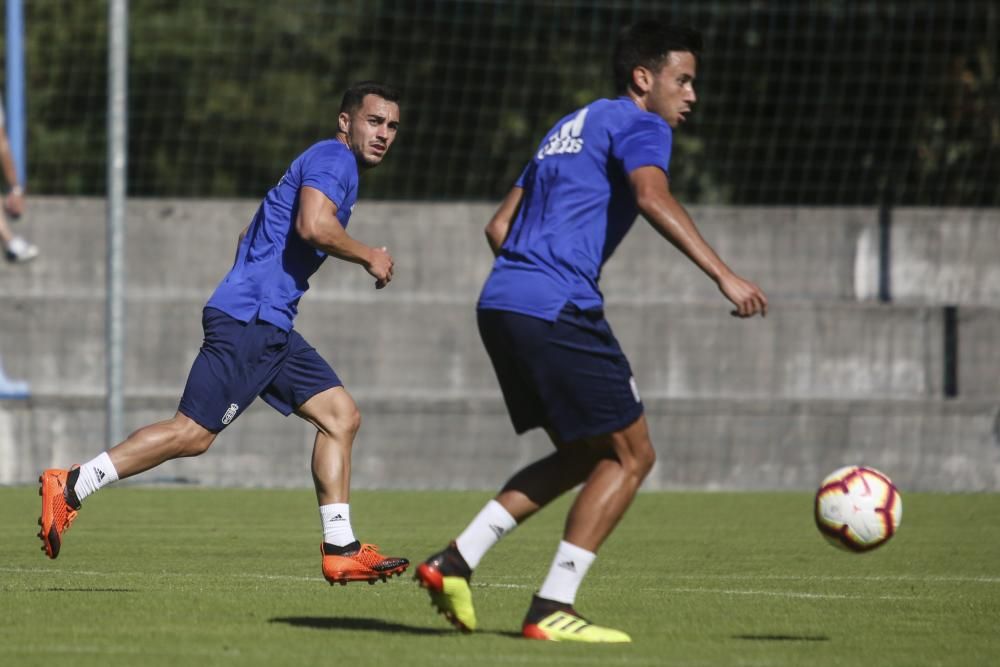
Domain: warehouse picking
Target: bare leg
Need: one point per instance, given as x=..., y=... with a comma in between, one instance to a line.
x=337, y=420
x=613, y=466
x=152, y=445
x=539, y=483
x=611, y=487
x=5, y=233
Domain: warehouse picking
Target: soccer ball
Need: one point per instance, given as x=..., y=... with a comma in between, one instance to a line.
x=858, y=508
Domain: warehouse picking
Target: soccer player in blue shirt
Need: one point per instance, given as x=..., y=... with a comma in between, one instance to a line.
x=251, y=349
x=542, y=322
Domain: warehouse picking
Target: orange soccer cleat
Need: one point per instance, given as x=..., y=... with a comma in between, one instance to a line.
x=359, y=562
x=59, y=508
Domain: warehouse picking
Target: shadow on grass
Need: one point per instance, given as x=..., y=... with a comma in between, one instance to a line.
x=373, y=625
x=346, y=623
x=784, y=638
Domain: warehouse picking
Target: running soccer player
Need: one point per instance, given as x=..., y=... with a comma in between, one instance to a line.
x=251, y=349
x=541, y=320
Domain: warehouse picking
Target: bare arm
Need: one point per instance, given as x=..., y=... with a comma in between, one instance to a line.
x=671, y=220
x=318, y=226
x=239, y=242
x=499, y=225
x=14, y=202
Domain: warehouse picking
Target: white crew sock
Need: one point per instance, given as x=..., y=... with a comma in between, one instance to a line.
x=492, y=523
x=566, y=574
x=17, y=245
x=336, y=519
x=95, y=475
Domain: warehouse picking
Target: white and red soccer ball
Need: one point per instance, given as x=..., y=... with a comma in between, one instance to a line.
x=858, y=508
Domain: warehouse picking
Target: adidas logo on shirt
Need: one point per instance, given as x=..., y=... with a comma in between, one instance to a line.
x=568, y=139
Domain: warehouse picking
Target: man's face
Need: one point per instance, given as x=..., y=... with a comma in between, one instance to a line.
x=371, y=129
x=671, y=90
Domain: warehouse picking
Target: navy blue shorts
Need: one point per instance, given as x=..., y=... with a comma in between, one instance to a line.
x=239, y=361
x=569, y=376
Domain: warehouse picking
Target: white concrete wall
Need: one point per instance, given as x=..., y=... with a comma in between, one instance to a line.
x=830, y=377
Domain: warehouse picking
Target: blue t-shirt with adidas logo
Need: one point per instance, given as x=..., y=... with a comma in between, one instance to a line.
x=273, y=263
x=577, y=207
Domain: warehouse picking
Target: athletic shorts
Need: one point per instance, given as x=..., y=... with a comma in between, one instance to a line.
x=569, y=376
x=239, y=361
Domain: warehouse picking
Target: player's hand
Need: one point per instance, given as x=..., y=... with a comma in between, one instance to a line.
x=380, y=266
x=746, y=296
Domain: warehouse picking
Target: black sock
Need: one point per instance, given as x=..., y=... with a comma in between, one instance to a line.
x=541, y=607
x=334, y=550
x=70, y=492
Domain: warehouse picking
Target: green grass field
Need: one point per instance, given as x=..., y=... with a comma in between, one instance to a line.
x=169, y=576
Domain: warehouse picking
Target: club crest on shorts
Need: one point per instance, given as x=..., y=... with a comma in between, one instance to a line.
x=230, y=413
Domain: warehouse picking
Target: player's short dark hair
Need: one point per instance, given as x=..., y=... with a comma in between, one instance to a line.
x=355, y=95
x=647, y=44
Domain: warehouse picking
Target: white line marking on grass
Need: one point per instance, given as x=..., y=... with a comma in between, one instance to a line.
x=930, y=579
x=552, y=658
x=732, y=591
x=835, y=577
x=191, y=575
x=197, y=575
x=41, y=570
x=265, y=577
x=782, y=594
x=277, y=577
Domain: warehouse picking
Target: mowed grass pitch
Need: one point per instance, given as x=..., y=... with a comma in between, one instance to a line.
x=175, y=576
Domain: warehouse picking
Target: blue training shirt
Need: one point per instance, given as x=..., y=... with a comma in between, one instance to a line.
x=273, y=263
x=577, y=207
